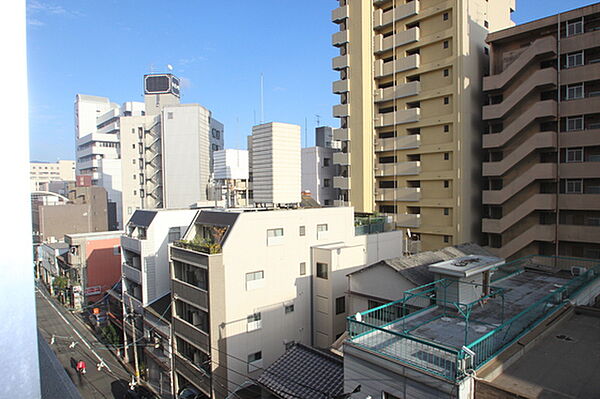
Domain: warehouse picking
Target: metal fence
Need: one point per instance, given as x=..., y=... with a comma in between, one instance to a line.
x=370, y=328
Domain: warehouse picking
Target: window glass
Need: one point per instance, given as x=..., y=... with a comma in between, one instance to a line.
x=302, y=268
x=289, y=308
x=321, y=227
x=322, y=271
x=274, y=232
x=253, y=357
x=340, y=305
x=255, y=275
x=302, y=230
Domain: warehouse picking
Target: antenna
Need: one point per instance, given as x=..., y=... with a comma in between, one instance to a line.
x=318, y=120
x=262, y=99
x=305, y=132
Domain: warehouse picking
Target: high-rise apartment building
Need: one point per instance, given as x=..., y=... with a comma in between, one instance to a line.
x=46, y=172
x=275, y=163
x=542, y=137
x=410, y=90
x=155, y=154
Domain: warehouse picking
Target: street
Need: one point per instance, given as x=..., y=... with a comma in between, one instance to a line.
x=73, y=341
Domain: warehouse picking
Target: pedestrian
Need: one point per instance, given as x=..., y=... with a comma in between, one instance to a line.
x=81, y=367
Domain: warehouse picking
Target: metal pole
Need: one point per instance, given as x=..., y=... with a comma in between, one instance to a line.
x=135, y=354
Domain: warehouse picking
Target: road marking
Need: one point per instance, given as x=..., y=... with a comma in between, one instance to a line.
x=73, y=328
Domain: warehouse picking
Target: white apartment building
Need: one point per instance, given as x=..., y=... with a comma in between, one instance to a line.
x=318, y=173
x=155, y=154
x=275, y=163
x=46, y=172
x=248, y=283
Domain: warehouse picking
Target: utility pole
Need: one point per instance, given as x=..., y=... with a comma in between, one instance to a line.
x=135, y=353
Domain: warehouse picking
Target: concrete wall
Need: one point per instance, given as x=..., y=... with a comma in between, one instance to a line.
x=186, y=154
x=314, y=173
x=103, y=264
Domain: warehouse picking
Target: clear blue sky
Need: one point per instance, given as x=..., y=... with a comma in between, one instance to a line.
x=218, y=48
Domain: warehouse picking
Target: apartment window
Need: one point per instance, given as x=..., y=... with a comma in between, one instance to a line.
x=340, y=305
x=445, y=16
x=486, y=24
x=446, y=211
x=169, y=115
x=446, y=128
x=574, y=186
x=574, y=91
x=302, y=268
x=575, y=27
x=446, y=156
x=322, y=271
x=134, y=177
x=574, y=59
x=254, y=357
x=215, y=147
x=574, y=154
x=133, y=160
x=446, y=72
x=446, y=239
x=275, y=236
x=321, y=231
x=174, y=234
x=446, y=44
x=302, y=231
x=134, y=192
x=133, y=146
x=446, y=183
x=254, y=322
x=326, y=182
x=326, y=162
x=288, y=308
x=486, y=51
x=255, y=280
x=197, y=317
x=574, y=123
x=446, y=100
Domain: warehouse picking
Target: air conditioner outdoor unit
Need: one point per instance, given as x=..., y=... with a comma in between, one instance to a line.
x=578, y=271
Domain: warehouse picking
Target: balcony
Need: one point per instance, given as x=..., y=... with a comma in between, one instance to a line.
x=341, y=182
x=398, y=194
x=398, y=143
x=131, y=244
x=540, y=171
x=110, y=128
x=534, y=203
x=341, y=158
x=132, y=273
x=191, y=333
x=341, y=134
x=340, y=203
x=398, y=169
x=341, y=110
x=382, y=19
x=341, y=86
x=579, y=233
x=584, y=170
x=382, y=44
x=339, y=14
x=189, y=293
x=403, y=64
x=339, y=38
x=192, y=373
x=401, y=91
x=399, y=117
x=339, y=62
x=408, y=220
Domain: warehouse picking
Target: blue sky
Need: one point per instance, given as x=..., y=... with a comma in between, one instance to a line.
x=218, y=48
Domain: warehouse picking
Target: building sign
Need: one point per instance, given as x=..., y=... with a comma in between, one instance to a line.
x=96, y=290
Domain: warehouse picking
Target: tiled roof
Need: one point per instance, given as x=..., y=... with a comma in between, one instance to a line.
x=304, y=372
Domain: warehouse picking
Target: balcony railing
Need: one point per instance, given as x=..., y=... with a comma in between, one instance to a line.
x=199, y=246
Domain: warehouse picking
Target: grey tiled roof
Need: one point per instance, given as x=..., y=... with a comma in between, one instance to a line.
x=304, y=372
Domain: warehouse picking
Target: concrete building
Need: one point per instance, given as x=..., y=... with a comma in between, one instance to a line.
x=275, y=163
x=385, y=281
x=410, y=97
x=41, y=173
x=541, y=141
x=84, y=211
x=318, y=170
x=483, y=315
x=92, y=264
x=231, y=169
x=47, y=263
x=155, y=154
x=247, y=284
x=146, y=288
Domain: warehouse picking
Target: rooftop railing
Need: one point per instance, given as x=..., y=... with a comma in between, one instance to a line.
x=389, y=329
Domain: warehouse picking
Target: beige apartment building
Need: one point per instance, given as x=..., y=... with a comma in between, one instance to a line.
x=410, y=91
x=542, y=137
x=45, y=172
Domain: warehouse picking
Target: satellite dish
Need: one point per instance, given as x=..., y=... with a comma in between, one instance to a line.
x=169, y=67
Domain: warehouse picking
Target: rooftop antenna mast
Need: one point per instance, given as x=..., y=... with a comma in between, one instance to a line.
x=318, y=120
x=305, y=132
x=262, y=99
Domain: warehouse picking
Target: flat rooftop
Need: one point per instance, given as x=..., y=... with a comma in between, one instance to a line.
x=564, y=363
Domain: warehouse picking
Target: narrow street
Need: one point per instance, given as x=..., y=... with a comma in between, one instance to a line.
x=73, y=341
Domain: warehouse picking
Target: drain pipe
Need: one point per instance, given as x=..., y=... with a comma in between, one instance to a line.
x=557, y=195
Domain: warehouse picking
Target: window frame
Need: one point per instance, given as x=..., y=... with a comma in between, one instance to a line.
x=574, y=151
x=573, y=89
x=574, y=23
x=322, y=272
x=574, y=56
x=338, y=307
x=575, y=120
x=574, y=182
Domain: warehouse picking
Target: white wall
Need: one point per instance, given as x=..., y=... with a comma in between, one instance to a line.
x=314, y=172
x=186, y=156
x=110, y=178
x=276, y=163
x=231, y=164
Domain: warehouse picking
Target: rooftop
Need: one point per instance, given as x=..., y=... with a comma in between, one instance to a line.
x=522, y=293
x=558, y=364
